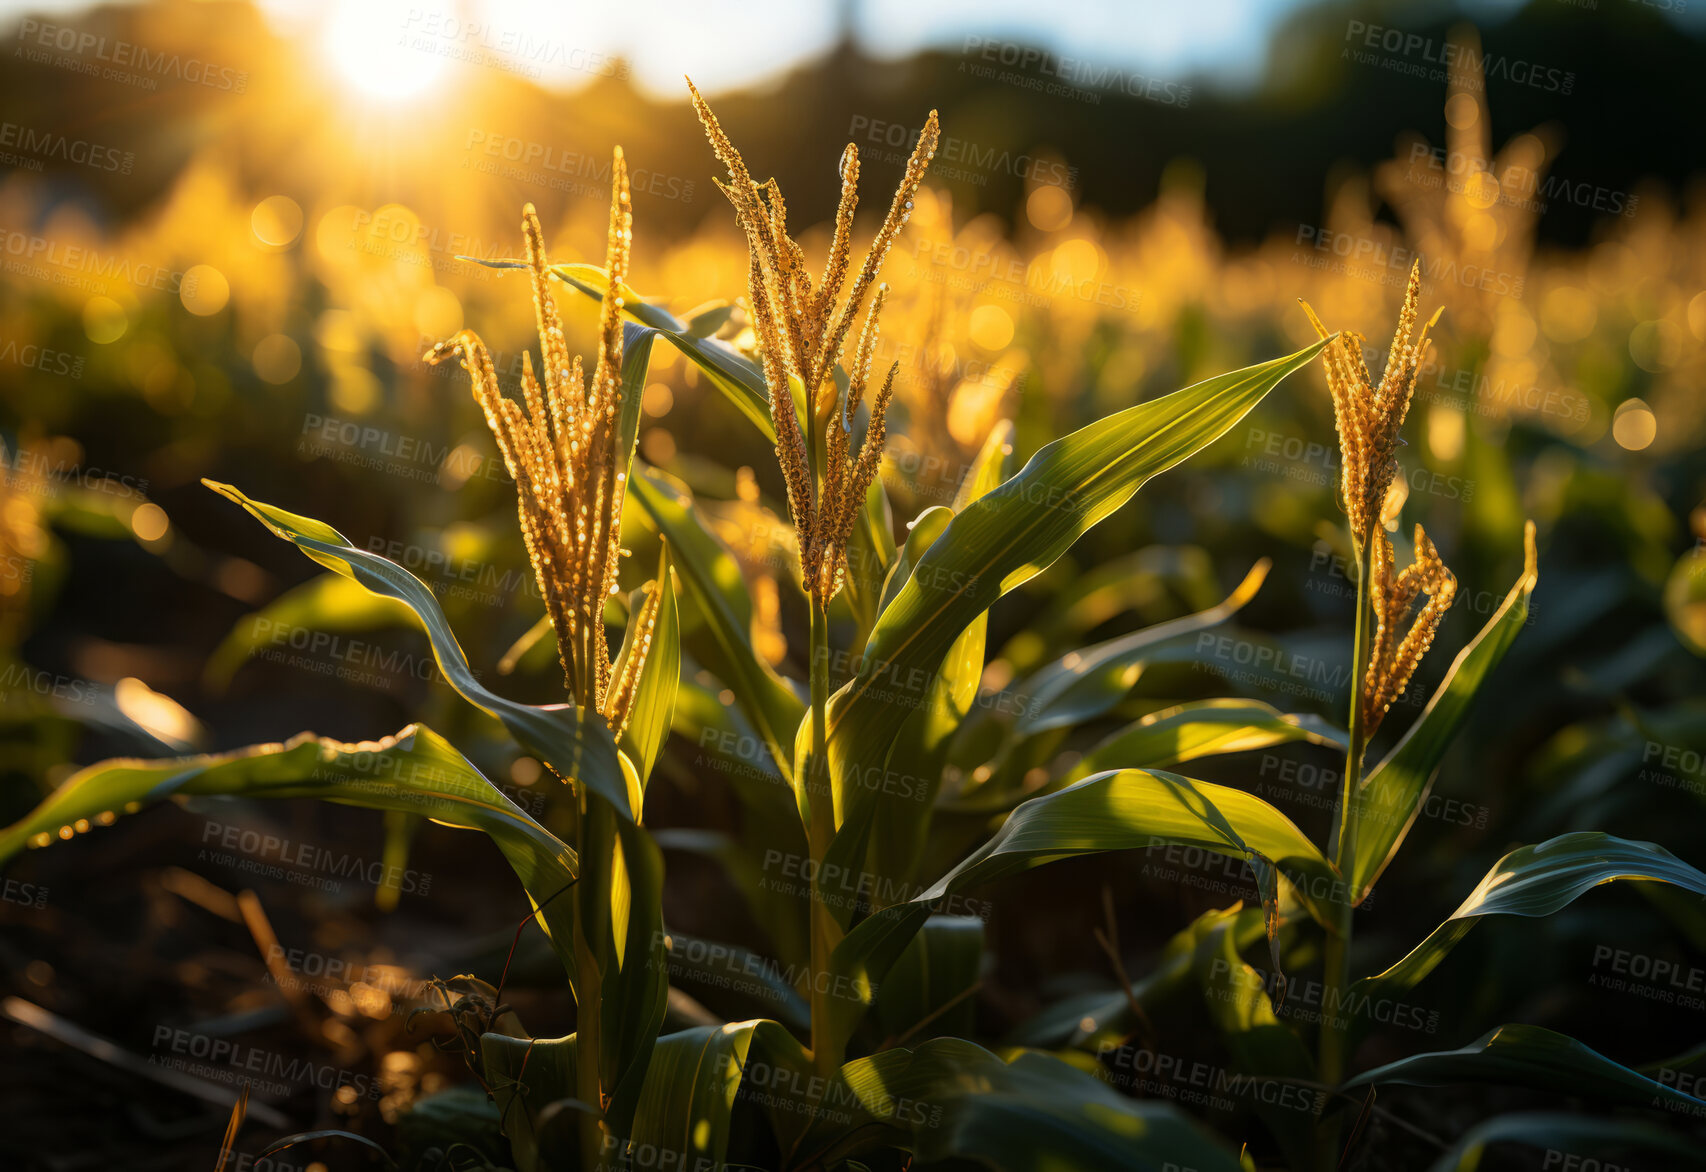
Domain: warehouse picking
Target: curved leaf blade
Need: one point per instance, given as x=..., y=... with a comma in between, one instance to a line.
x=1394, y=793
x=1527, y=1055
x=957, y=1101
x=1537, y=881
x=1123, y=810
x=1012, y=533
x=692, y=1082
x=710, y=575
x=577, y=745
x=929, y=990
x=1087, y=683
x=414, y=772
x=902, y=816
x=1583, y=1135
x=1203, y=728
x=653, y=708
x=730, y=371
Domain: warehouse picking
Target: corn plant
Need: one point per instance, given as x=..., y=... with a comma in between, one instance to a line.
x=866, y=1041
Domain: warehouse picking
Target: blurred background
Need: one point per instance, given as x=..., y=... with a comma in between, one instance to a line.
x=228, y=232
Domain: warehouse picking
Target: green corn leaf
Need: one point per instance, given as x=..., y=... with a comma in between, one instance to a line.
x=1536, y=881
x=709, y=318
x=1526, y=1055
x=1203, y=728
x=415, y=772
x=576, y=744
x=711, y=577
x=1395, y=792
x=624, y=898
x=1124, y=810
x=1006, y=537
x=532, y=1082
x=722, y=974
x=1135, y=808
x=621, y=901
x=1082, y=600
x=929, y=991
x=1580, y=1135
x=1085, y=684
x=1264, y=1050
x=731, y=372
x=636, y=361
x=901, y=816
x=952, y=1100
x=921, y=534
x=1100, y=1020
x=691, y=1086
x=660, y=675
x=870, y=555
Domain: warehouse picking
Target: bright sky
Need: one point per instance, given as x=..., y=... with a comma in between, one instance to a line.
x=725, y=43
x=395, y=47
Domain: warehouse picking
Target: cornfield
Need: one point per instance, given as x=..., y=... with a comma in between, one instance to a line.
x=944, y=691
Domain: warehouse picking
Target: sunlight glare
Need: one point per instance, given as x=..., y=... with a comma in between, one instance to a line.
x=370, y=43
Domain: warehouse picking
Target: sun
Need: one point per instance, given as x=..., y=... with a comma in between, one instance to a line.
x=376, y=51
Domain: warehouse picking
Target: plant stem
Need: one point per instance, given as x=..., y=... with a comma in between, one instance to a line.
x=821, y=812
x=594, y=845
x=1335, y=1027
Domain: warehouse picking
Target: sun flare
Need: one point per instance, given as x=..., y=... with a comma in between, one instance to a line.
x=378, y=54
